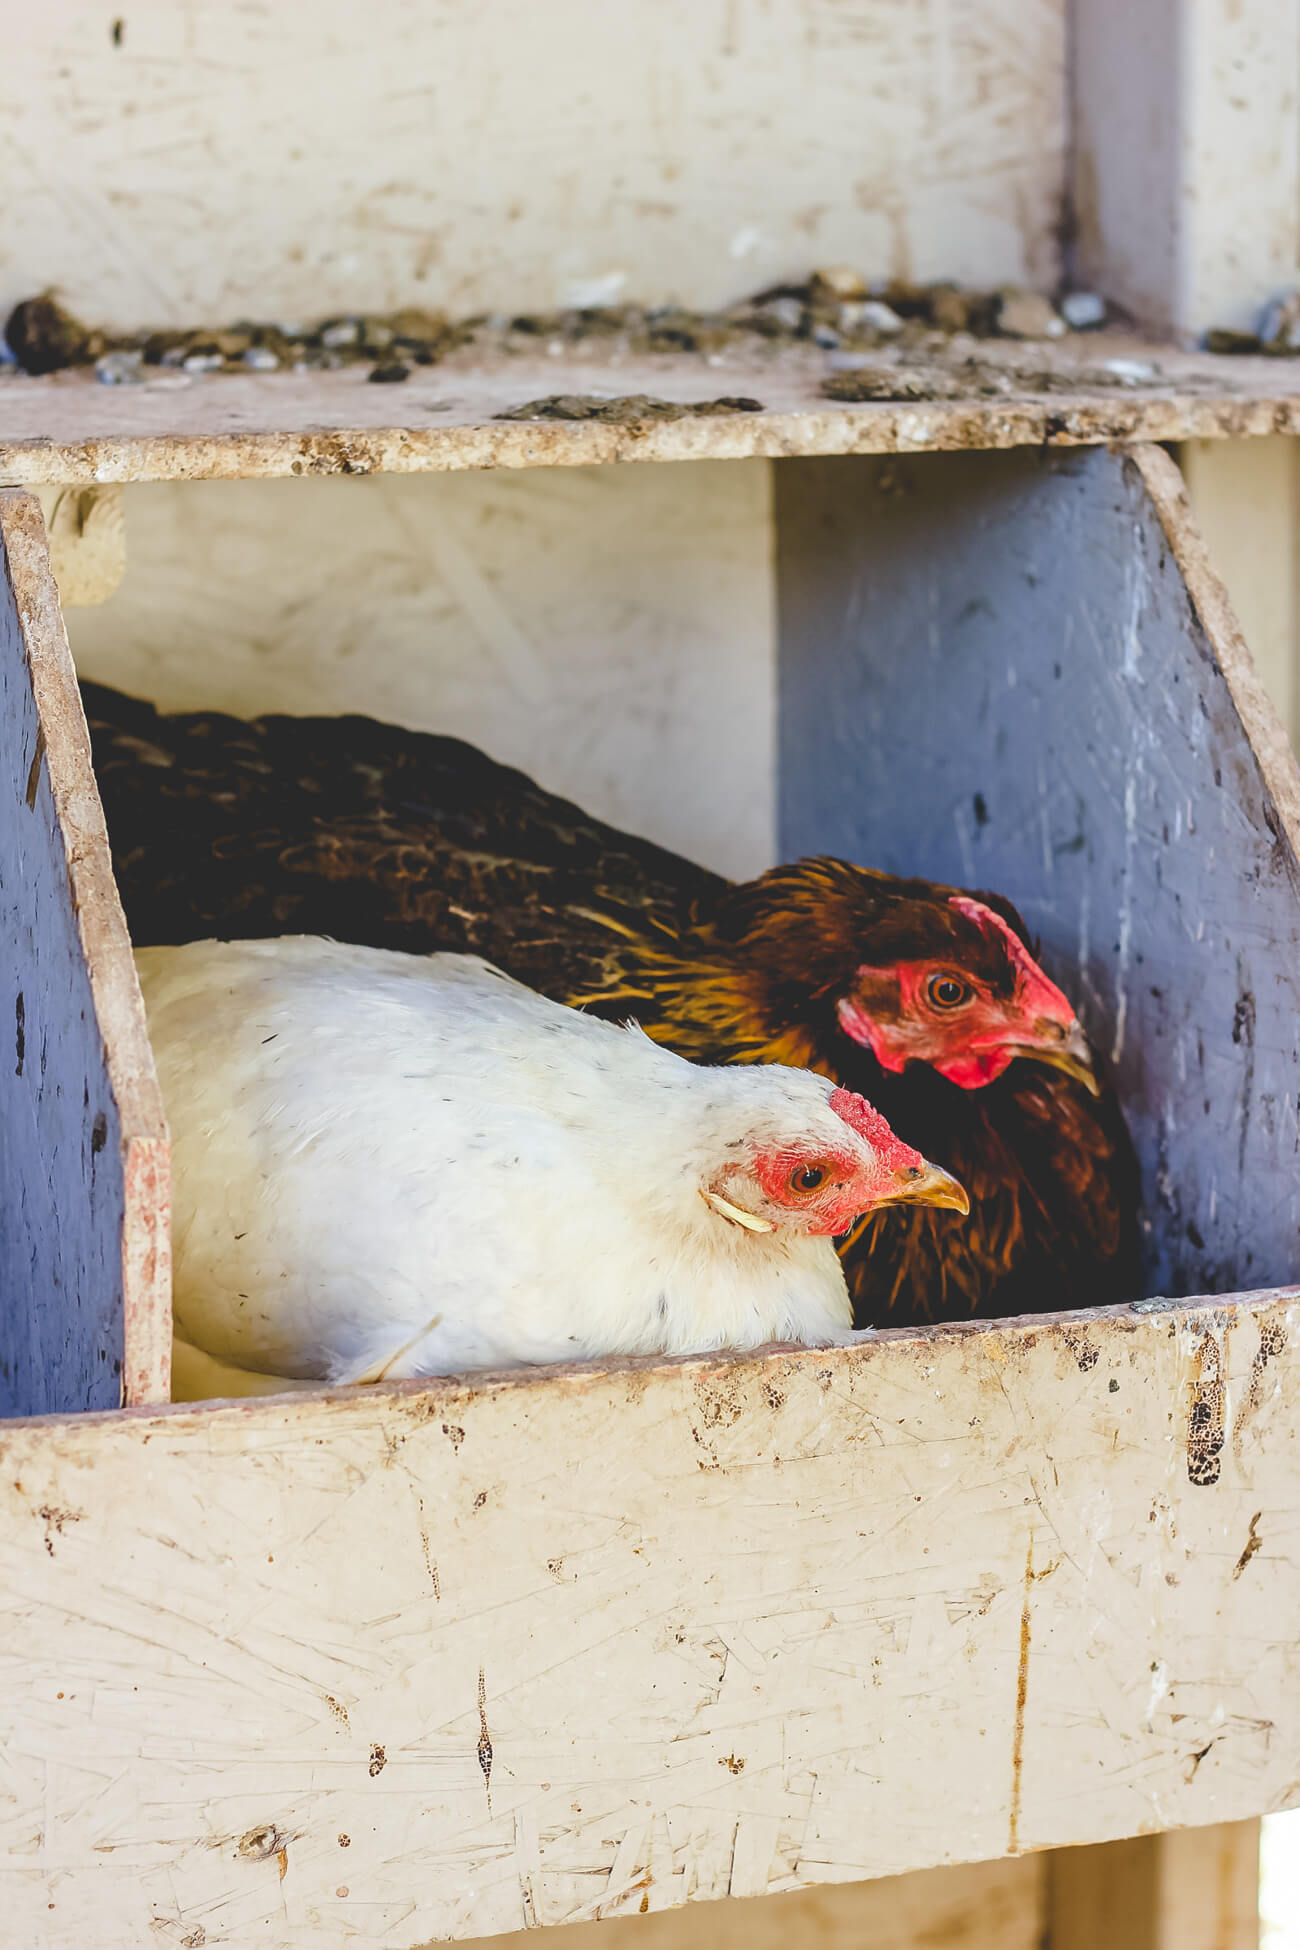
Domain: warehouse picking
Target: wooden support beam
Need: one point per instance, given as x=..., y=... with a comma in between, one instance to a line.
x=87, y=531
x=1246, y=494
x=1190, y=1889
x=1186, y=163
x=979, y=1906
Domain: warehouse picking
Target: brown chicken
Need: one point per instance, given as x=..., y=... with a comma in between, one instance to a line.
x=925, y=999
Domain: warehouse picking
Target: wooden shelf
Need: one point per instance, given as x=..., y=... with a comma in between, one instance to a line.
x=68, y=429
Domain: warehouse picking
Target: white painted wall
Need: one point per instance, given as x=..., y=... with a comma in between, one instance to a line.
x=1187, y=155
x=287, y=159
x=611, y=630
x=1247, y=499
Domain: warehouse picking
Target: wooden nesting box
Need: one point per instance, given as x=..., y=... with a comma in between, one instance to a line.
x=442, y=1659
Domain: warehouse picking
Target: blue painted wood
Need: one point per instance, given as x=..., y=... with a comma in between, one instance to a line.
x=991, y=673
x=62, y=1193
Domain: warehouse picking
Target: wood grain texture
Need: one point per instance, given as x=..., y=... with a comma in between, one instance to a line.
x=977, y=1906
x=84, y=1244
x=87, y=536
x=1192, y=1889
x=1245, y=495
x=202, y=164
x=67, y=430
x=611, y=630
x=545, y=1646
x=1186, y=160
x=1039, y=688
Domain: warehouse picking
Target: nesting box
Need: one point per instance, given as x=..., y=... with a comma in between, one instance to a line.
x=445, y=1658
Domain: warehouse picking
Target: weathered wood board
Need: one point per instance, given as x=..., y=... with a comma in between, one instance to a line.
x=85, y=1295
x=442, y=1660
x=200, y=162
x=974, y=1906
x=1027, y=670
x=67, y=430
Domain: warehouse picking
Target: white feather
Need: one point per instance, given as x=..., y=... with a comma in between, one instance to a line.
x=396, y=1165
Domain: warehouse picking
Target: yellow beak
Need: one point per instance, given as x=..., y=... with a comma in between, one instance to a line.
x=931, y=1185
x=1073, y=1055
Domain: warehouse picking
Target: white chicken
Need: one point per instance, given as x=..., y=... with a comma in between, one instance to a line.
x=389, y=1165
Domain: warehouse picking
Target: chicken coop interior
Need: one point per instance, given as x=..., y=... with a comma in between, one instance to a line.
x=976, y=1631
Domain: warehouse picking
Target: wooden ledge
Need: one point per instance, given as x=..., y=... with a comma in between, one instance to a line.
x=68, y=429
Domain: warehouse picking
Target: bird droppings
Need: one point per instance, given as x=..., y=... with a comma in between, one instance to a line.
x=630, y=410
x=836, y=310
x=55, y=1518
x=1085, y=1354
x=1272, y=1344
x=718, y=1402
x=378, y=1760
x=1277, y=332
x=43, y=337
x=484, y=1748
x=1207, y=1417
x=1083, y=311
x=983, y=379
x=1253, y=1543
x=34, y=770
x=260, y=1844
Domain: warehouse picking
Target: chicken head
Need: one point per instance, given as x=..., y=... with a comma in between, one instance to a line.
x=820, y=1185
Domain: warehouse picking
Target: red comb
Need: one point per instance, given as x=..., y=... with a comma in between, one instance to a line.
x=1041, y=993
x=859, y=1115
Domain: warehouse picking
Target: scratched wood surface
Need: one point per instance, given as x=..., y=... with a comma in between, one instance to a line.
x=1189, y=1889
x=67, y=430
x=1040, y=688
x=203, y=162
x=85, y=1294
x=976, y=1906
x=447, y=1660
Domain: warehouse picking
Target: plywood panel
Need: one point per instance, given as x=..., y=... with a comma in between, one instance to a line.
x=1193, y=1889
x=84, y=1265
x=68, y=429
x=979, y=1906
x=1036, y=685
x=611, y=630
x=1186, y=163
x=1246, y=494
x=170, y=163
x=440, y=1660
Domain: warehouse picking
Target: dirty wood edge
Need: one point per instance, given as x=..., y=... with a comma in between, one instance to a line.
x=1263, y=728
x=106, y=945
x=575, y=1377
x=915, y=427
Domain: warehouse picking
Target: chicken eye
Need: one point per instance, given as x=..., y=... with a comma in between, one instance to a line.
x=808, y=1178
x=946, y=992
